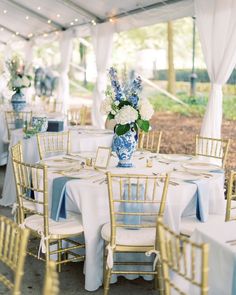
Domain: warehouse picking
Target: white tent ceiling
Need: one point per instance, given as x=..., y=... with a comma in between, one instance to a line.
x=24, y=19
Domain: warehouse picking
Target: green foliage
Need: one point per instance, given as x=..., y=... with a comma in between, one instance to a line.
x=143, y=125
x=122, y=129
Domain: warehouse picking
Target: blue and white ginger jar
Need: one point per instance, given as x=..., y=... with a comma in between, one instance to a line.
x=124, y=146
x=18, y=101
x=40, y=122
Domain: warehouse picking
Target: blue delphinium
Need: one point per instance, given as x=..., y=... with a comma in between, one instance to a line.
x=115, y=84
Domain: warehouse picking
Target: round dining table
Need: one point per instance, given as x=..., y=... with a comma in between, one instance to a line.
x=87, y=194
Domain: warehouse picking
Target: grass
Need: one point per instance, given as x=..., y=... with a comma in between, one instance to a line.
x=195, y=106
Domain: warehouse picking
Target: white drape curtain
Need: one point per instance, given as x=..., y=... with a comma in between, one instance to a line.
x=102, y=37
x=65, y=47
x=216, y=23
x=28, y=59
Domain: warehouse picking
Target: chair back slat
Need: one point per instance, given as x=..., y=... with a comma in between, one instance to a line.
x=53, y=143
x=136, y=200
x=231, y=197
x=13, y=243
x=15, y=120
x=212, y=147
x=183, y=262
x=150, y=141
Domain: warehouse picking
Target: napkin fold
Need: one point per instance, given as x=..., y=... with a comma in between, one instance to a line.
x=58, y=208
x=19, y=123
x=202, y=196
x=133, y=207
x=234, y=277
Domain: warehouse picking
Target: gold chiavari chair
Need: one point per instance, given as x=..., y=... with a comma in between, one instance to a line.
x=231, y=198
x=16, y=120
x=135, y=202
x=212, y=148
x=188, y=262
x=150, y=141
x=77, y=116
x=53, y=143
x=33, y=180
x=51, y=282
x=13, y=244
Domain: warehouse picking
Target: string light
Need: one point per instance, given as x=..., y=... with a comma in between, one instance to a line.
x=58, y=15
x=38, y=7
x=4, y=11
x=30, y=35
x=93, y=22
x=45, y=34
x=76, y=19
x=111, y=20
x=2, y=29
x=71, y=23
x=27, y=17
x=17, y=33
x=49, y=21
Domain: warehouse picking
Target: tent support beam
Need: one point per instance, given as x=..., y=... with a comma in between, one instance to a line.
x=143, y=9
x=36, y=15
x=80, y=9
x=14, y=32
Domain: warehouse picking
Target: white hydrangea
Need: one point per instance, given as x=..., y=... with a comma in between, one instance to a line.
x=17, y=82
x=25, y=81
x=146, y=110
x=106, y=106
x=126, y=115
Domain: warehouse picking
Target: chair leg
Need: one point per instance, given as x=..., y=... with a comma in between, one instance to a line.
x=158, y=279
x=59, y=255
x=107, y=281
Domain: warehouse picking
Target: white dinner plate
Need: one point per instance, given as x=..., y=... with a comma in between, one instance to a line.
x=176, y=157
x=201, y=166
x=59, y=163
x=82, y=174
x=183, y=175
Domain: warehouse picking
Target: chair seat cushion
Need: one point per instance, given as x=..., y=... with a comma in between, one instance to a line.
x=189, y=223
x=130, y=237
x=70, y=226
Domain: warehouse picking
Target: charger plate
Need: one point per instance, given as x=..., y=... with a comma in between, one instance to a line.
x=183, y=175
x=59, y=163
x=82, y=174
x=176, y=157
x=200, y=166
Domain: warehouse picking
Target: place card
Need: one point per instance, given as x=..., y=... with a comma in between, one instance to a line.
x=102, y=157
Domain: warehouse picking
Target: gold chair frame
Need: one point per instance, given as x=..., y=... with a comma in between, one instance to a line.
x=150, y=141
x=11, y=116
x=212, y=147
x=13, y=244
x=231, y=196
x=34, y=178
x=146, y=199
x=50, y=143
x=174, y=253
x=51, y=281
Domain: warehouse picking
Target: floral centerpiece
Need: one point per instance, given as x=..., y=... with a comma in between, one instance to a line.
x=18, y=80
x=130, y=113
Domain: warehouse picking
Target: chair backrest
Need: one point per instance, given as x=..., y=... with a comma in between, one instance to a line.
x=135, y=201
x=184, y=263
x=77, y=116
x=51, y=282
x=32, y=191
x=53, y=143
x=16, y=120
x=16, y=152
x=212, y=147
x=150, y=141
x=231, y=196
x=13, y=244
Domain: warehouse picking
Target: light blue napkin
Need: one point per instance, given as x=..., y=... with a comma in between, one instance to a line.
x=133, y=207
x=19, y=123
x=234, y=278
x=58, y=208
x=217, y=171
x=202, y=196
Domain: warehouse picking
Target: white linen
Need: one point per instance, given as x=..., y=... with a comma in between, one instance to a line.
x=216, y=22
x=91, y=200
x=222, y=256
x=80, y=142
x=65, y=46
x=102, y=37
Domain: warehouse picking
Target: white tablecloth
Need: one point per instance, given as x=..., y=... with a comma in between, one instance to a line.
x=91, y=200
x=80, y=141
x=222, y=256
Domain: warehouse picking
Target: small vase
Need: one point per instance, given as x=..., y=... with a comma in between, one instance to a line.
x=18, y=101
x=124, y=146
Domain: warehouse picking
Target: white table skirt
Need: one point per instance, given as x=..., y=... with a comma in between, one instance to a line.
x=91, y=200
x=79, y=142
x=222, y=256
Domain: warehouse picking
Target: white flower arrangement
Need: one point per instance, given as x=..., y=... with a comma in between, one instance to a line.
x=18, y=78
x=125, y=107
